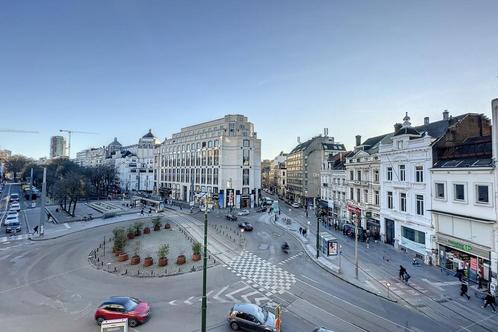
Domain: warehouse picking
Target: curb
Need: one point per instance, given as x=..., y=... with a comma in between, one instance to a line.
x=325, y=268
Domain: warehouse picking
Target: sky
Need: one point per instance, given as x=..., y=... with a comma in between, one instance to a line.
x=120, y=67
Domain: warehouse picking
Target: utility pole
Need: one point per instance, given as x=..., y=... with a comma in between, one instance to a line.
x=42, y=207
x=356, y=245
x=317, y=233
x=204, y=267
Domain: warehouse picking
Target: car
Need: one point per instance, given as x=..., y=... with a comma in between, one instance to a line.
x=246, y=226
x=118, y=307
x=15, y=207
x=243, y=213
x=10, y=219
x=231, y=217
x=296, y=205
x=12, y=213
x=14, y=197
x=251, y=317
x=13, y=227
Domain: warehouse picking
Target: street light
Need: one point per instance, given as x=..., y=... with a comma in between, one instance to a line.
x=317, y=232
x=204, y=267
x=355, y=220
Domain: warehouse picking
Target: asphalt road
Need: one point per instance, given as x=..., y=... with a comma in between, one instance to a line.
x=8, y=189
x=50, y=286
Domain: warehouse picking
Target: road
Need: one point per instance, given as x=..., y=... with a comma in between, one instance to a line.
x=53, y=282
x=8, y=189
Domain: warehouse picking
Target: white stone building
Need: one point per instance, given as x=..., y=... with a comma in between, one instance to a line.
x=91, y=157
x=221, y=158
x=278, y=175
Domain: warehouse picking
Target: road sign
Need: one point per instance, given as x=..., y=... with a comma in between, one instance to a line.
x=114, y=325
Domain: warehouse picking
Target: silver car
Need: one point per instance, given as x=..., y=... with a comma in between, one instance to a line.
x=250, y=317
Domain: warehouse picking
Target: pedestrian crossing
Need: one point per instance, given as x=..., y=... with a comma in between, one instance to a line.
x=239, y=292
x=403, y=290
x=14, y=238
x=291, y=258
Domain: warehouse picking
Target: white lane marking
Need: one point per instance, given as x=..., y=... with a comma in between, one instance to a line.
x=230, y=295
x=245, y=297
x=302, y=275
x=67, y=226
x=217, y=296
x=172, y=302
x=188, y=300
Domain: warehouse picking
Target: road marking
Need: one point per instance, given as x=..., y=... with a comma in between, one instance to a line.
x=67, y=226
x=245, y=297
x=302, y=275
x=217, y=296
x=230, y=295
x=188, y=300
x=172, y=302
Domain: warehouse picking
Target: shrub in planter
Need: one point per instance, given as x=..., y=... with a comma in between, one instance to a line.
x=162, y=253
x=146, y=230
x=135, y=259
x=167, y=225
x=156, y=221
x=119, y=240
x=181, y=259
x=196, y=249
x=123, y=257
x=139, y=225
x=148, y=261
x=131, y=233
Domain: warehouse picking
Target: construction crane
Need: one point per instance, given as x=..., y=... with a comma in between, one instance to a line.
x=3, y=130
x=69, y=132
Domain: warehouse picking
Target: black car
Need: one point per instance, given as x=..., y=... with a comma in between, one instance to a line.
x=250, y=317
x=231, y=217
x=246, y=226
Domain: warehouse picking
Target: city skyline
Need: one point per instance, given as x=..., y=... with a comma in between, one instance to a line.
x=123, y=68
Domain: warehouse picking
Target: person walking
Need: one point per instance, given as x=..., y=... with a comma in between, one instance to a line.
x=402, y=272
x=479, y=280
x=35, y=229
x=489, y=299
x=464, y=289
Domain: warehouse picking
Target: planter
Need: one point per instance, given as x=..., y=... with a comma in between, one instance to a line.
x=118, y=252
x=130, y=236
x=196, y=257
x=167, y=226
x=138, y=233
x=157, y=228
x=148, y=261
x=163, y=261
x=146, y=230
x=123, y=257
x=135, y=260
x=180, y=260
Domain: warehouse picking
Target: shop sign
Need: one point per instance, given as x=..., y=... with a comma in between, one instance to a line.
x=473, y=264
x=459, y=245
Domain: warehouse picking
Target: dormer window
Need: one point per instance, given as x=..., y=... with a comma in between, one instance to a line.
x=400, y=144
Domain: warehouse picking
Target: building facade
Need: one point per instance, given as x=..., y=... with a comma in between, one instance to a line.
x=91, y=157
x=278, y=175
x=221, y=158
x=58, y=147
x=304, y=165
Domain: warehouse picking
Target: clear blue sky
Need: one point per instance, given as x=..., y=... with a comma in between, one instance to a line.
x=293, y=67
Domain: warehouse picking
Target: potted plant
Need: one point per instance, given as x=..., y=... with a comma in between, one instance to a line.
x=146, y=230
x=156, y=221
x=167, y=225
x=196, y=249
x=131, y=233
x=119, y=241
x=135, y=259
x=162, y=253
x=181, y=259
x=139, y=225
x=148, y=261
x=123, y=257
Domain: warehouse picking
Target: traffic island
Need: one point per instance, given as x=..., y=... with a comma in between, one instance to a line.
x=161, y=253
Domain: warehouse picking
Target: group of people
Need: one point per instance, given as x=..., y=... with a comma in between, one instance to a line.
x=303, y=231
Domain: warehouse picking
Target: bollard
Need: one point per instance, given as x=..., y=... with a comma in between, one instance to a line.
x=179, y=269
x=138, y=272
x=126, y=271
x=151, y=273
x=115, y=269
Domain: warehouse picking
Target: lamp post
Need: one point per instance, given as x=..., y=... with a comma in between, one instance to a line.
x=355, y=219
x=317, y=232
x=340, y=251
x=204, y=268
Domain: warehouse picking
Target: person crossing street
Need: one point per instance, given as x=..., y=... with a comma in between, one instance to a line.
x=464, y=289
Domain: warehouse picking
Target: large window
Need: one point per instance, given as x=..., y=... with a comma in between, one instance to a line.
x=419, y=173
x=402, y=202
x=420, y=204
x=215, y=176
x=358, y=173
x=245, y=177
x=389, y=199
x=246, y=143
x=351, y=176
x=245, y=157
x=439, y=188
x=376, y=175
x=216, y=157
x=376, y=197
x=459, y=192
x=358, y=195
x=482, y=194
x=413, y=235
x=402, y=173
x=203, y=157
x=197, y=175
x=351, y=193
x=365, y=196
x=210, y=157
x=209, y=176
x=389, y=174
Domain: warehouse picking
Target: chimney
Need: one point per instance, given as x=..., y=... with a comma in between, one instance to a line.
x=446, y=115
x=298, y=140
x=325, y=132
x=426, y=120
x=397, y=127
x=358, y=140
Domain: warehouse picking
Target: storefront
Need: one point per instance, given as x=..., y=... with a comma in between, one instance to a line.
x=456, y=254
x=373, y=228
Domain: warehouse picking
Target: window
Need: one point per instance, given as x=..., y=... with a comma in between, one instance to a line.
x=389, y=174
x=246, y=143
x=215, y=176
x=400, y=144
x=358, y=175
x=365, y=196
x=358, y=197
x=419, y=173
x=197, y=176
x=389, y=199
x=402, y=173
x=351, y=175
x=413, y=235
x=420, y=204
x=245, y=157
x=210, y=144
x=459, y=192
x=402, y=202
x=351, y=193
x=482, y=194
x=216, y=143
x=245, y=177
x=376, y=175
x=376, y=197
x=204, y=158
x=440, y=191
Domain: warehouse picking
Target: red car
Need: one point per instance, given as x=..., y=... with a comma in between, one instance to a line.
x=117, y=307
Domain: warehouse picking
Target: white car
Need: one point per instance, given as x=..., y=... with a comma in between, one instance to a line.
x=15, y=207
x=12, y=213
x=11, y=219
x=296, y=205
x=243, y=213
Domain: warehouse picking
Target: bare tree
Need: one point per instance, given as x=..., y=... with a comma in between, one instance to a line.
x=16, y=164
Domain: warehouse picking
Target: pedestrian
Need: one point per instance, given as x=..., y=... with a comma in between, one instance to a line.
x=305, y=231
x=301, y=230
x=464, y=289
x=279, y=212
x=459, y=274
x=402, y=272
x=479, y=280
x=407, y=277
x=489, y=299
x=35, y=229
x=142, y=212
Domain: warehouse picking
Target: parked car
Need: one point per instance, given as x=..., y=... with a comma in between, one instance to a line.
x=296, y=205
x=10, y=219
x=246, y=226
x=12, y=213
x=251, y=317
x=14, y=197
x=231, y=217
x=243, y=213
x=118, y=307
x=15, y=207
x=13, y=227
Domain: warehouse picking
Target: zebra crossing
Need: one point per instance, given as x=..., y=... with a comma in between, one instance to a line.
x=6, y=239
x=235, y=293
x=401, y=289
x=291, y=258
